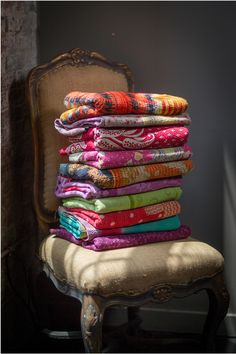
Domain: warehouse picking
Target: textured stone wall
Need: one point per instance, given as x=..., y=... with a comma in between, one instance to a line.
x=19, y=55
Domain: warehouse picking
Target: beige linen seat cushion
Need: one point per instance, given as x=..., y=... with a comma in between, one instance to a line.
x=132, y=270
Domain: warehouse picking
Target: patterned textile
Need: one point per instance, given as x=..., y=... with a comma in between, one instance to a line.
x=123, y=176
x=130, y=139
x=112, y=159
x=107, y=205
x=121, y=241
x=67, y=187
x=113, y=121
x=128, y=217
x=79, y=230
x=86, y=104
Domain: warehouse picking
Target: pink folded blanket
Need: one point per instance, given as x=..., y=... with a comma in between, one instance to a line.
x=128, y=217
x=112, y=159
x=122, y=241
x=130, y=139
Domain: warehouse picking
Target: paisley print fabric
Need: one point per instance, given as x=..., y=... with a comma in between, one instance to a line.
x=67, y=187
x=107, y=205
x=130, y=139
x=121, y=241
x=123, y=176
x=116, y=121
x=128, y=217
x=86, y=104
x=112, y=159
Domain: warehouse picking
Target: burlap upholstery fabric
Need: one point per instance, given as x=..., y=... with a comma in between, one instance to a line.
x=51, y=90
x=133, y=270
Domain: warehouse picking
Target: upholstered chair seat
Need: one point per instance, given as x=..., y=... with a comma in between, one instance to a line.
x=133, y=270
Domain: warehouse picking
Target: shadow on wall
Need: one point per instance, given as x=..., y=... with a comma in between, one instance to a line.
x=19, y=228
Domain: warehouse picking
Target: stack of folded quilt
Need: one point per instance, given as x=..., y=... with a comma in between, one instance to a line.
x=127, y=155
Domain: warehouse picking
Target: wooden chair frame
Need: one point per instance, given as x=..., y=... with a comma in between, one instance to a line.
x=76, y=57
x=94, y=305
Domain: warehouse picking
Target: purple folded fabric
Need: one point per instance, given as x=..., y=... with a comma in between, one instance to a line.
x=116, y=121
x=122, y=241
x=66, y=187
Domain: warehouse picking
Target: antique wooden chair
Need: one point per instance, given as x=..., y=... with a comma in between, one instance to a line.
x=132, y=276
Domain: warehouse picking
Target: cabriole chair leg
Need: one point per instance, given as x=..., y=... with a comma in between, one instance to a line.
x=91, y=323
x=218, y=306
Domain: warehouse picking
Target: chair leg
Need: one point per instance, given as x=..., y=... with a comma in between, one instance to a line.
x=134, y=320
x=91, y=323
x=218, y=307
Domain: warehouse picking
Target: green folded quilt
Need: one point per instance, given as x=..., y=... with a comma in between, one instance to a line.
x=107, y=205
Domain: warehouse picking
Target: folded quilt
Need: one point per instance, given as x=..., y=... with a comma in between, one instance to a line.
x=123, y=176
x=121, y=241
x=80, y=229
x=115, y=121
x=128, y=217
x=112, y=159
x=130, y=139
x=86, y=104
x=107, y=205
x=66, y=188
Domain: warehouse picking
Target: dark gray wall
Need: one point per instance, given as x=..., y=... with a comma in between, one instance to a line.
x=181, y=48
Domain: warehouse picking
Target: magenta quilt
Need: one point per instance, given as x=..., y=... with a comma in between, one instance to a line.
x=103, y=243
x=130, y=139
x=112, y=159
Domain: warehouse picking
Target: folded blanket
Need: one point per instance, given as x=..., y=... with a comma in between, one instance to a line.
x=123, y=176
x=114, y=121
x=112, y=159
x=80, y=229
x=125, y=202
x=130, y=139
x=87, y=104
x=121, y=241
x=128, y=217
x=67, y=187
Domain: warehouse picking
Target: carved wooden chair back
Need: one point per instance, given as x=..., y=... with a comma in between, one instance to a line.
x=47, y=86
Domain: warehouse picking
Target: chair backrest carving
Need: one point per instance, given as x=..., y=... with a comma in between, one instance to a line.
x=47, y=86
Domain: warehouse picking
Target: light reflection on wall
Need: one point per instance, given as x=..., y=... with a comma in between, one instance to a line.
x=229, y=236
